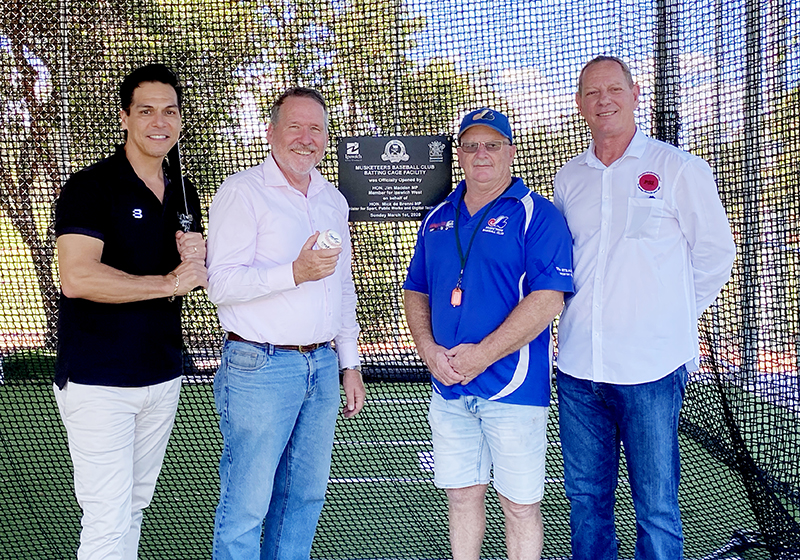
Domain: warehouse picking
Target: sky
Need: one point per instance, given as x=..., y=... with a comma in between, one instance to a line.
x=533, y=50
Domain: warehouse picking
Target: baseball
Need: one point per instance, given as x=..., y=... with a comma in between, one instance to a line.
x=329, y=239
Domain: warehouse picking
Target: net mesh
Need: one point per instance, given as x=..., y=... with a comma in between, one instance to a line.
x=718, y=78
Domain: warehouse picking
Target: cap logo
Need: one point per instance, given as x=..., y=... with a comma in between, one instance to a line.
x=485, y=115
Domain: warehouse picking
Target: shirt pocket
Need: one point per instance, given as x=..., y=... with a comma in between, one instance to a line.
x=644, y=218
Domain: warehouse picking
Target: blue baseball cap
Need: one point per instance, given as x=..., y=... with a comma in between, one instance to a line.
x=487, y=117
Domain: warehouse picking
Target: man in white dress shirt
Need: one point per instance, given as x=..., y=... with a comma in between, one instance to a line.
x=282, y=300
x=651, y=250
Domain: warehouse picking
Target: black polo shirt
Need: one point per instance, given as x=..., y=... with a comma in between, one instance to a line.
x=126, y=344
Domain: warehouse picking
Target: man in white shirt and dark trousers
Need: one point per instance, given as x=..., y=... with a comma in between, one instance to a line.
x=651, y=250
x=282, y=300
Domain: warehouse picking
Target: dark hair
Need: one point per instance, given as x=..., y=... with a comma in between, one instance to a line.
x=149, y=73
x=297, y=91
x=604, y=58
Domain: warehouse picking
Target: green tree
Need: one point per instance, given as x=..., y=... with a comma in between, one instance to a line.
x=64, y=61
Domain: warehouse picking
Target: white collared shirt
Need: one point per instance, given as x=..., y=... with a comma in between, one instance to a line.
x=257, y=226
x=652, y=248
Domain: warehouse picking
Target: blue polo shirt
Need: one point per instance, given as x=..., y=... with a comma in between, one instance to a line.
x=522, y=245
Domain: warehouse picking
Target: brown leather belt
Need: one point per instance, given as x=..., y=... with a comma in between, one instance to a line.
x=302, y=348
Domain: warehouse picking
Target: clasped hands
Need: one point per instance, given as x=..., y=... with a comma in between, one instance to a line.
x=458, y=365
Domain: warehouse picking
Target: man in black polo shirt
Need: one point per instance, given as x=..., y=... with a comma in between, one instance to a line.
x=124, y=262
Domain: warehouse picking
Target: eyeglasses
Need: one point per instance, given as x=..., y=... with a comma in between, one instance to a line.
x=491, y=146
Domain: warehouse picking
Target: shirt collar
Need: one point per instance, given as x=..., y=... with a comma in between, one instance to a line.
x=278, y=179
x=635, y=149
x=516, y=190
x=125, y=168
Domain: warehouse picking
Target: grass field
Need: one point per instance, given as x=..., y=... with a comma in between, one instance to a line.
x=381, y=501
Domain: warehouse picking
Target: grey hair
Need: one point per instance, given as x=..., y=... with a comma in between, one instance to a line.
x=604, y=58
x=297, y=91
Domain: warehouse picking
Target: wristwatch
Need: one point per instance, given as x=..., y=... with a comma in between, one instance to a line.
x=357, y=368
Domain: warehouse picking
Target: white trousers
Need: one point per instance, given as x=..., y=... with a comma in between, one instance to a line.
x=117, y=440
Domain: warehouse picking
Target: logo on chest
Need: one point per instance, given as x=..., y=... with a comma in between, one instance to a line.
x=441, y=226
x=138, y=214
x=649, y=182
x=496, y=225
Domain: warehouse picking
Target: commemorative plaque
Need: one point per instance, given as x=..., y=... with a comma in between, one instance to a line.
x=394, y=178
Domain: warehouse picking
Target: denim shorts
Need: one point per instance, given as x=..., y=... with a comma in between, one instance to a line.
x=472, y=436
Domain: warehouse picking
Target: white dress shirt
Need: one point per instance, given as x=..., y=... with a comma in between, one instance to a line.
x=257, y=226
x=651, y=250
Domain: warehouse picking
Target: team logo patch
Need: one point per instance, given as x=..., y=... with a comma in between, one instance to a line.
x=441, y=226
x=496, y=225
x=649, y=183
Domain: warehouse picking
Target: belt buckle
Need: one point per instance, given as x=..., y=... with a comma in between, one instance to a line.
x=301, y=348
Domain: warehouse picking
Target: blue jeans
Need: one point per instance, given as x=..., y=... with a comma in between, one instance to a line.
x=594, y=418
x=277, y=416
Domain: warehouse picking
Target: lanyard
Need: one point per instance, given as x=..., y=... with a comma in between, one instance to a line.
x=455, y=296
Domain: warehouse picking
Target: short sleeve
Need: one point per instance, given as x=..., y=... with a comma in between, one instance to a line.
x=548, y=249
x=416, y=279
x=81, y=208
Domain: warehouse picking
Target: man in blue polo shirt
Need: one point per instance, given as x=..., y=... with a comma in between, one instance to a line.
x=489, y=273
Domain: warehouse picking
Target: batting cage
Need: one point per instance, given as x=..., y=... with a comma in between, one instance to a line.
x=719, y=79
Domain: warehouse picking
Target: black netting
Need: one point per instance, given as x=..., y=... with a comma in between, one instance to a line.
x=720, y=79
